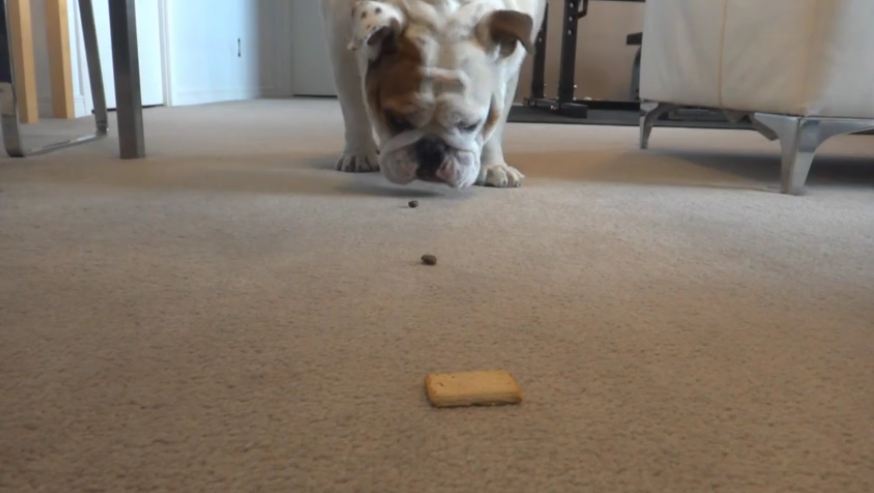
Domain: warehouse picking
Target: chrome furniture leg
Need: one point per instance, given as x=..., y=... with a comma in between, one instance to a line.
x=128, y=92
x=649, y=114
x=799, y=139
x=12, y=139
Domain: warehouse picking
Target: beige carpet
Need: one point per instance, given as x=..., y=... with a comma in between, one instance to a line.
x=232, y=315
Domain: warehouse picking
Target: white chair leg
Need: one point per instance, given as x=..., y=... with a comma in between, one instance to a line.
x=800, y=137
x=649, y=114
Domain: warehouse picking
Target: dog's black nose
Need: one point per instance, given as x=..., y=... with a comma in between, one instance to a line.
x=430, y=152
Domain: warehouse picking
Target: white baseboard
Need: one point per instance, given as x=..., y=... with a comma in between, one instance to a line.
x=275, y=93
x=187, y=98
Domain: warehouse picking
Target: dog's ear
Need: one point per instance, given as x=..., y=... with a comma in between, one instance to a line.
x=505, y=29
x=375, y=26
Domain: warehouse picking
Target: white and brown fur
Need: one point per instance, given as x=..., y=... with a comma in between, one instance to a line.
x=426, y=85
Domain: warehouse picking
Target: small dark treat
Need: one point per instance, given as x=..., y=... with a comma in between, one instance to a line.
x=429, y=259
x=413, y=204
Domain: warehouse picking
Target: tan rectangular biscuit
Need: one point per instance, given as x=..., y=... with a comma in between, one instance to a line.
x=472, y=388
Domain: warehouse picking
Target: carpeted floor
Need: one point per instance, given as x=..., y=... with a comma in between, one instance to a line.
x=232, y=315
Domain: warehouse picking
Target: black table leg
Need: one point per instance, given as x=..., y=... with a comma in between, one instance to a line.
x=574, y=10
x=538, y=80
x=128, y=94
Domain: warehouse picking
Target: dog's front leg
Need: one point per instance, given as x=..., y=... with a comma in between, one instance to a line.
x=495, y=172
x=360, y=153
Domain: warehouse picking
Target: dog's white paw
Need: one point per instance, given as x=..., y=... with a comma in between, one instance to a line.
x=351, y=162
x=500, y=176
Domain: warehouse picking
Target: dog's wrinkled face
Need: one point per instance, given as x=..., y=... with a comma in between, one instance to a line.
x=435, y=86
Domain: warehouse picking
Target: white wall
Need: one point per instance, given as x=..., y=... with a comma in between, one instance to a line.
x=221, y=50
x=275, y=41
x=202, y=65
x=309, y=52
x=603, y=68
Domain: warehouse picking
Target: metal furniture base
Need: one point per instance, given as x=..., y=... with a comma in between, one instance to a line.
x=649, y=114
x=122, y=23
x=799, y=136
x=12, y=138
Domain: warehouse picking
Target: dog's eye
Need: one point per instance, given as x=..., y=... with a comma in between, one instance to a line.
x=468, y=127
x=397, y=123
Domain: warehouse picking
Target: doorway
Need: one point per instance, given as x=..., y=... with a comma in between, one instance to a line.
x=150, y=31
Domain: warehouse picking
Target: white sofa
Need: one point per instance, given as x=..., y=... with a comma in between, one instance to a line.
x=802, y=69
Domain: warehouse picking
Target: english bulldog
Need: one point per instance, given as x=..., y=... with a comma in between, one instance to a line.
x=426, y=85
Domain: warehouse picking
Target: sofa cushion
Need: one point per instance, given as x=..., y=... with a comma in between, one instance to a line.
x=800, y=57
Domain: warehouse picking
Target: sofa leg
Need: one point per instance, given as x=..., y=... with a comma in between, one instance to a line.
x=800, y=137
x=649, y=114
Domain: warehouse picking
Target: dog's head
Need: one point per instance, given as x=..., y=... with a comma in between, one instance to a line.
x=435, y=83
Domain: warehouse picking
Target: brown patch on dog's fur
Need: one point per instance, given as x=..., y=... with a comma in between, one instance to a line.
x=506, y=28
x=394, y=79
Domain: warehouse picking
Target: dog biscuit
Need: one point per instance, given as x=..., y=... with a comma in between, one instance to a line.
x=473, y=388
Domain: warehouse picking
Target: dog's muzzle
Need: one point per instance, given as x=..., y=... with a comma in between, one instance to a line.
x=415, y=155
x=430, y=152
